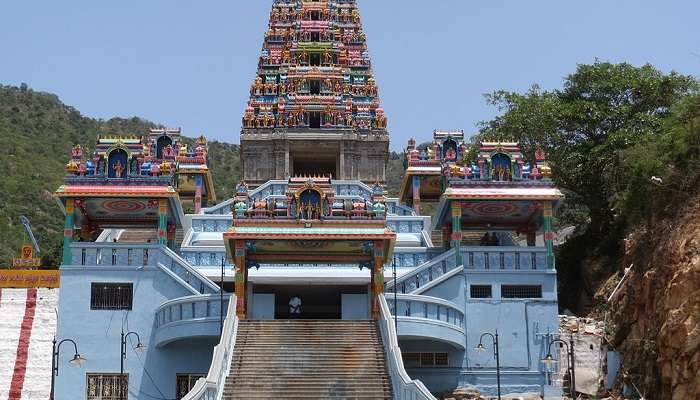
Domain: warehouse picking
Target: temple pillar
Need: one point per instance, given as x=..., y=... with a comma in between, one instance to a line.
x=531, y=238
x=457, y=230
x=241, y=278
x=172, y=231
x=377, y=277
x=548, y=234
x=416, y=193
x=445, y=237
x=163, y=222
x=68, y=231
x=199, y=182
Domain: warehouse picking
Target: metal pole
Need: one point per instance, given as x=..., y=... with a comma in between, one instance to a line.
x=573, y=366
x=221, y=300
x=498, y=365
x=122, y=348
x=54, y=367
x=396, y=310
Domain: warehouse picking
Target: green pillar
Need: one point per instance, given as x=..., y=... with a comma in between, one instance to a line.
x=68, y=231
x=457, y=230
x=548, y=234
x=163, y=222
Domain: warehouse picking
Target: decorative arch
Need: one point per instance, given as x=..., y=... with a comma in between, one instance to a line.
x=501, y=167
x=449, y=148
x=161, y=143
x=118, y=162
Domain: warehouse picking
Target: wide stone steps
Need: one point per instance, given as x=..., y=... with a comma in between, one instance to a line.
x=307, y=359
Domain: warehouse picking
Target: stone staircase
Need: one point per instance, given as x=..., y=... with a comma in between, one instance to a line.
x=308, y=359
x=140, y=236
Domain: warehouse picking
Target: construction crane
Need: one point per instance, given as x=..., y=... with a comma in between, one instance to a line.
x=28, y=228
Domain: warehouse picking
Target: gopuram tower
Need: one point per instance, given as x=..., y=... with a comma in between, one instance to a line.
x=314, y=106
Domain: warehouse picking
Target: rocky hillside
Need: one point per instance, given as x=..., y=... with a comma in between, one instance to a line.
x=657, y=311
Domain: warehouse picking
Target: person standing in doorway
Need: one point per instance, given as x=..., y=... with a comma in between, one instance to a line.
x=295, y=307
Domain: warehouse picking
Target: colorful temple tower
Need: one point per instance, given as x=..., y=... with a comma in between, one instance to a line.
x=314, y=105
x=309, y=282
x=494, y=226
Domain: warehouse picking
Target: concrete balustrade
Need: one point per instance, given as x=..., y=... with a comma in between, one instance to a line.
x=107, y=254
x=510, y=258
x=428, y=317
x=189, y=317
x=403, y=386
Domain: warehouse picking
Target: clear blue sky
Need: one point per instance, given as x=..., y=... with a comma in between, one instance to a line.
x=190, y=63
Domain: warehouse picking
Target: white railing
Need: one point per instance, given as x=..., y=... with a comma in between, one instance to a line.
x=185, y=271
x=212, y=387
x=403, y=386
x=504, y=258
x=191, y=308
x=428, y=307
x=109, y=254
x=425, y=273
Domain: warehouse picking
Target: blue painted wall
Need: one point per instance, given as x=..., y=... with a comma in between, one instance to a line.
x=97, y=333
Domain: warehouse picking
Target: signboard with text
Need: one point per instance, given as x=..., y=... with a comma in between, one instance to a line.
x=11, y=278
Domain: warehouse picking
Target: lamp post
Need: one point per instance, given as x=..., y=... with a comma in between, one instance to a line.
x=480, y=348
x=77, y=360
x=139, y=347
x=571, y=360
x=396, y=310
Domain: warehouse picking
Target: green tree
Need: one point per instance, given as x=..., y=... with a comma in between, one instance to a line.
x=602, y=109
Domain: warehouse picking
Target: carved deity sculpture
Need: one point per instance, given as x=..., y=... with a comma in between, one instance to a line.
x=118, y=169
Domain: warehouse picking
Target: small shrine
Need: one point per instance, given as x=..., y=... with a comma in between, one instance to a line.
x=309, y=225
x=125, y=183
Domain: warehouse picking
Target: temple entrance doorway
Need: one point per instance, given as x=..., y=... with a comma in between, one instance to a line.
x=323, y=162
x=349, y=302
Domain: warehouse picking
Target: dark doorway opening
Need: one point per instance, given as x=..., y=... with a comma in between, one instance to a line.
x=315, y=168
x=316, y=301
x=315, y=59
x=315, y=87
x=315, y=120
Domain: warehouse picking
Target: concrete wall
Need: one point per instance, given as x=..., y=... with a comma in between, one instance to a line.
x=97, y=332
x=522, y=325
x=30, y=370
x=436, y=379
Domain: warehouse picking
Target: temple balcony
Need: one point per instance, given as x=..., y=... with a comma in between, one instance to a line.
x=109, y=255
x=475, y=259
x=190, y=317
x=426, y=317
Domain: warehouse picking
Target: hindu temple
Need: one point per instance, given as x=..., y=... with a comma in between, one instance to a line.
x=309, y=281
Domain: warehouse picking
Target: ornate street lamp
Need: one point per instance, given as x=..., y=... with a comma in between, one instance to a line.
x=77, y=361
x=480, y=348
x=548, y=360
x=139, y=348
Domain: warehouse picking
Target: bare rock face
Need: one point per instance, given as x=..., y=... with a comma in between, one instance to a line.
x=657, y=313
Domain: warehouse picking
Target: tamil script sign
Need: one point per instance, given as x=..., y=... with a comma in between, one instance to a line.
x=10, y=278
x=27, y=260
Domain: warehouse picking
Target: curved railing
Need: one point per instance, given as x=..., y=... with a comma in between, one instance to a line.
x=425, y=273
x=212, y=387
x=189, y=317
x=444, y=319
x=403, y=386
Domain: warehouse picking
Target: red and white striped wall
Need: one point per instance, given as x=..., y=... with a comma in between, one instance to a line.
x=27, y=326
